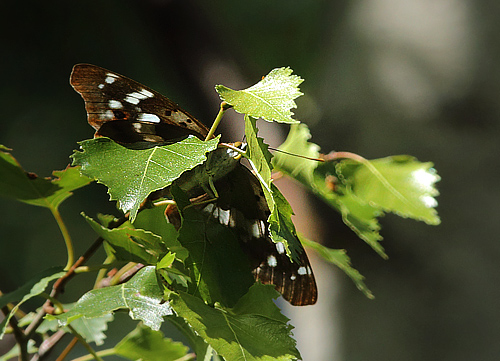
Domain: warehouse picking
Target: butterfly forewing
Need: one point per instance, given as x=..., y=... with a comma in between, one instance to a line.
x=127, y=111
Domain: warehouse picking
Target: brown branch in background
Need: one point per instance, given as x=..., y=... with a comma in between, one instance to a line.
x=48, y=344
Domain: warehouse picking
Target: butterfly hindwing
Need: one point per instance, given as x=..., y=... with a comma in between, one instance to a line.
x=127, y=111
x=242, y=207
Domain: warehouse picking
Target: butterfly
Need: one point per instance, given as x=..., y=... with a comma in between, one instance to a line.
x=129, y=112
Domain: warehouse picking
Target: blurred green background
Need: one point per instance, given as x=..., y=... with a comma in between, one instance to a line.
x=382, y=77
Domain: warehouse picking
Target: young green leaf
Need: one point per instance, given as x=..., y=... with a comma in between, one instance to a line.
x=398, y=184
x=339, y=258
x=359, y=216
x=130, y=244
x=145, y=344
x=271, y=99
x=29, y=188
x=92, y=330
x=297, y=144
x=30, y=289
x=132, y=174
x=142, y=296
x=253, y=330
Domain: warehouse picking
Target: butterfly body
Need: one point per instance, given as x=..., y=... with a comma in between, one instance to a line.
x=128, y=112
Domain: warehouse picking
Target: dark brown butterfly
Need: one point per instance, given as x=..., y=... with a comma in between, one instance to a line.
x=128, y=112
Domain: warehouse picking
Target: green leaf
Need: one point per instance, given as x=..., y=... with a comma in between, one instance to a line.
x=398, y=184
x=257, y=152
x=145, y=344
x=281, y=228
x=339, y=258
x=271, y=99
x=220, y=271
x=154, y=220
x=92, y=330
x=29, y=188
x=32, y=288
x=130, y=244
x=253, y=330
x=297, y=144
x=202, y=349
x=141, y=295
x=132, y=174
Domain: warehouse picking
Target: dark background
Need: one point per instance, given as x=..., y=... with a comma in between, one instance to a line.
x=382, y=77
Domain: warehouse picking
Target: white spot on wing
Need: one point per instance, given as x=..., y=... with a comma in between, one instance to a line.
x=110, y=78
x=293, y=277
x=132, y=100
x=224, y=216
x=280, y=247
x=108, y=114
x=271, y=261
x=147, y=93
x=101, y=86
x=255, y=230
x=147, y=117
x=302, y=271
x=115, y=104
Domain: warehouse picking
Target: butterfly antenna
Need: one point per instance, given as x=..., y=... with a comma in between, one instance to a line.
x=296, y=155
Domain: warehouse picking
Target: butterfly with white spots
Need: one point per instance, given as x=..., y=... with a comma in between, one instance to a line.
x=128, y=112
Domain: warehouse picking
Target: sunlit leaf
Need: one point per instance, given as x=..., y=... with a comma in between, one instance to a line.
x=132, y=174
x=271, y=99
x=142, y=296
x=253, y=330
x=281, y=228
x=92, y=330
x=148, y=345
x=398, y=184
x=202, y=349
x=297, y=144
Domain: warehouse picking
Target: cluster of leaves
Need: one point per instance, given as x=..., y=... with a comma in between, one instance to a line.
x=194, y=275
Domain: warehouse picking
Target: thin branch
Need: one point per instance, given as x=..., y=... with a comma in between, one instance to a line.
x=19, y=335
x=66, y=236
x=48, y=344
x=67, y=350
x=223, y=107
x=84, y=343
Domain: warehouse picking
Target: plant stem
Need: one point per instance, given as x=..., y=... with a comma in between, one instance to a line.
x=223, y=107
x=102, y=272
x=66, y=236
x=84, y=343
x=107, y=352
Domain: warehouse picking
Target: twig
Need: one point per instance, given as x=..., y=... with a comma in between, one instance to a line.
x=68, y=349
x=19, y=335
x=48, y=344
